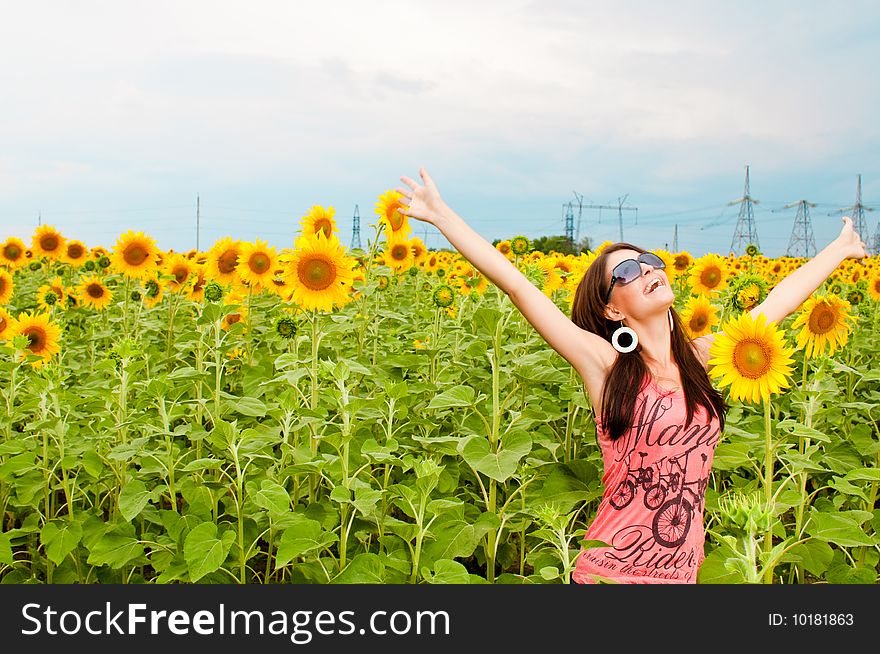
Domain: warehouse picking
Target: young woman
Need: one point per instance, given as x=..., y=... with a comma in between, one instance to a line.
x=658, y=417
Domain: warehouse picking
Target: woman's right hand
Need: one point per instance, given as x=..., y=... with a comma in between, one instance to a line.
x=424, y=202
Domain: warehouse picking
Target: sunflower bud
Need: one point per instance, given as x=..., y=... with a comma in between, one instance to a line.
x=213, y=292
x=34, y=265
x=89, y=265
x=104, y=261
x=286, y=327
x=520, y=245
x=443, y=296
x=135, y=296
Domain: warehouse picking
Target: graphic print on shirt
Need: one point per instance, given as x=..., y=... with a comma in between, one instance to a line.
x=660, y=497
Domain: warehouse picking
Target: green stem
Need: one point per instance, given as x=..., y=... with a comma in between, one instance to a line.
x=768, y=485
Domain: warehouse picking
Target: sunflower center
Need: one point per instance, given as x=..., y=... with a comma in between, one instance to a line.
x=504, y=248
x=752, y=359
x=135, y=254
x=323, y=225
x=259, y=263
x=95, y=291
x=316, y=272
x=2, y=285
x=395, y=218
x=822, y=319
x=399, y=252
x=233, y=318
x=49, y=242
x=227, y=261
x=710, y=277
x=681, y=262
x=36, y=339
x=698, y=322
x=75, y=251
x=180, y=274
x=12, y=251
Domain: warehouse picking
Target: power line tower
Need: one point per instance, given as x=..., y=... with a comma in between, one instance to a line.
x=675, y=239
x=580, y=199
x=875, y=246
x=745, y=232
x=857, y=212
x=620, y=209
x=569, y=224
x=356, y=230
x=801, y=243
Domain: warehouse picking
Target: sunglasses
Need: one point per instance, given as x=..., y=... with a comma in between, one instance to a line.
x=629, y=270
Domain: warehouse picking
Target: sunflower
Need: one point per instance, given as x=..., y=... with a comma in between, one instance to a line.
x=398, y=254
x=257, y=263
x=94, y=294
x=42, y=335
x=681, y=262
x=551, y=280
x=319, y=219
x=388, y=208
x=180, y=271
x=319, y=272
x=75, y=253
x=6, y=287
x=874, y=285
x=222, y=260
x=823, y=321
x=6, y=324
x=420, y=252
x=51, y=295
x=47, y=242
x=709, y=273
x=504, y=248
x=13, y=253
x=199, y=279
x=238, y=310
x=699, y=316
x=154, y=291
x=134, y=255
x=470, y=279
x=751, y=357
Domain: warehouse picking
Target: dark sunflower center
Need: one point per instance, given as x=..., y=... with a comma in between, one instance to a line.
x=316, y=272
x=323, y=225
x=751, y=359
x=135, y=254
x=49, y=242
x=95, y=291
x=822, y=319
x=698, y=321
x=180, y=274
x=399, y=252
x=233, y=318
x=710, y=277
x=75, y=251
x=227, y=261
x=681, y=262
x=395, y=218
x=36, y=339
x=12, y=252
x=259, y=263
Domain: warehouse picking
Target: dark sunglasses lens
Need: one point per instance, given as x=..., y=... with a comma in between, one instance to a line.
x=628, y=271
x=652, y=260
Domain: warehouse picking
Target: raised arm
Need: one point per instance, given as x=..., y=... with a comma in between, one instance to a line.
x=795, y=288
x=587, y=352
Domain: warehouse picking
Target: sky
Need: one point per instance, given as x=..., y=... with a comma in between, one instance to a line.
x=241, y=116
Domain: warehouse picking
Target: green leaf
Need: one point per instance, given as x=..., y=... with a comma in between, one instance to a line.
x=502, y=465
x=365, y=568
x=486, y=319
x=815, y=556
x=133, y=497
x=272, y=497
x=60, y=538
x=447, y=571
x=115, y=549
x=204, y=552
x=455, y=396
x=843, y=574
x=248, y=406
x=729, y=456
x=5, y=549
x=840, y=528
x=301, y=537
x=202, y=464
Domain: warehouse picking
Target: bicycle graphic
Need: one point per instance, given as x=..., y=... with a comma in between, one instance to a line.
x=643, y=478
x=673, y=518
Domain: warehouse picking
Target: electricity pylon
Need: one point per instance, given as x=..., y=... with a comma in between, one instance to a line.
x=857, y=211
x=745, y=232
x=356, y=230
x=801, y=243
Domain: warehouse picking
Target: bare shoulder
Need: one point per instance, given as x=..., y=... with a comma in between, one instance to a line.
x=701, y=347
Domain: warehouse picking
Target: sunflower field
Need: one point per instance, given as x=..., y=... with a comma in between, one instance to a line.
x=325, y=415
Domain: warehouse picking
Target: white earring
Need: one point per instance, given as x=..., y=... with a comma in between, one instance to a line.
x=671, y=327
x=621, y=331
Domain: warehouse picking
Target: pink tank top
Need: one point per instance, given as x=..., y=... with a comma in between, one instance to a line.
x=651, y=513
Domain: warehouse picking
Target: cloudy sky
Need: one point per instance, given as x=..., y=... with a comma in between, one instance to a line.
x=119, y=115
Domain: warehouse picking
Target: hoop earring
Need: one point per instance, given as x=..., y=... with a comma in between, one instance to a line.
x=621, y=331
x=671, y=326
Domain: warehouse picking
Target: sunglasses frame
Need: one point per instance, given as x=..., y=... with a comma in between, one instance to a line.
x=615, y=277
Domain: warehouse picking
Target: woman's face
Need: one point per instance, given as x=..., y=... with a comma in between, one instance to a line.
x=637, y=299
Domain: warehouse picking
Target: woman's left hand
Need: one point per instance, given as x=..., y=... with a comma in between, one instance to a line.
x=850, y=240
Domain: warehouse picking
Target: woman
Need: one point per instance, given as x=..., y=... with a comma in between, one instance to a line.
x=658, y=417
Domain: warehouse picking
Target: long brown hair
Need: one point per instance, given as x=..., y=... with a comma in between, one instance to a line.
x=629, y=372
